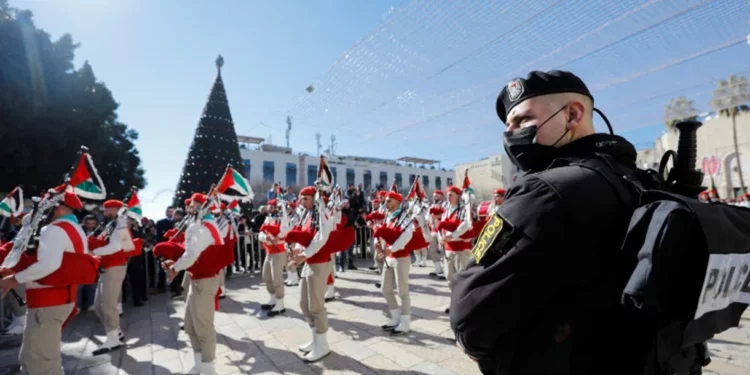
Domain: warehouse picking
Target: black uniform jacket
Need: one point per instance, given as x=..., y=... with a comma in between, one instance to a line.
x=536, y=302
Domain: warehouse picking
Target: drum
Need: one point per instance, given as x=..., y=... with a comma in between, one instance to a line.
x=483, y=210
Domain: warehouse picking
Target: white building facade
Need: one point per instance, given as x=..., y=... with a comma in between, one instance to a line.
x=267, y=164
x=488, y=174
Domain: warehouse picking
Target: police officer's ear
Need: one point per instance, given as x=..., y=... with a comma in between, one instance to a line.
x=576, y=113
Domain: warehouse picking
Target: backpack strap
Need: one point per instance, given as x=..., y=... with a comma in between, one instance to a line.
x=628, y=193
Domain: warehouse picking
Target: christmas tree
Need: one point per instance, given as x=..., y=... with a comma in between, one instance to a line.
x=214, y=145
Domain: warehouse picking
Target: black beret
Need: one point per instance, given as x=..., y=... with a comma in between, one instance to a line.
x=538, y=83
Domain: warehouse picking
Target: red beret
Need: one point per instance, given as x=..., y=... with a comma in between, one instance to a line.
x=438, y=192
x=188, y=201
x=310, y=191
x=272, y=202
x=499, y=191
x=396, y=196
x=382, y=193
x=113, y=203
x=199, y=198
x=454, y=189
x=71, y=200
x=292, y=205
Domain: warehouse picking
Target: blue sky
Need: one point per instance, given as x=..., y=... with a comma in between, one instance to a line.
x=416, y=77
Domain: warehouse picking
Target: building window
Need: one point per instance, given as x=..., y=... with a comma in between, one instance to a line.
x=312, y=175
x=268, y=171
x=398, y=181
x=246, y=168
x=291, y=174
x=449, y=181
x=384, y=179
x=367, y=177
x=438, y=183
x=425, y=182
x=412, y=177
x=349, y=176
x=335, y=179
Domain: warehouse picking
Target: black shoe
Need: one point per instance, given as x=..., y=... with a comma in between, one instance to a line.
x=222, y=296
x=274, y=313
x=266, y=307
x=182, y=327
x=351, y=267
x=394, y=332
x=330, y=299
x=372, y=268
x=448, y=310
x=433, y=274
x=388, y=328
x=377, y=285
x=121, y=336
x=441, y=277
x=105, y=351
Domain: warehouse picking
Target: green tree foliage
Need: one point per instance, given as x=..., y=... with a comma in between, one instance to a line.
x=48, y=109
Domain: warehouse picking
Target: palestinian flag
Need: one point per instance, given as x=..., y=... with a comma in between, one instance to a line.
x=325, y=177
x=234, y=208
x=467, y=184
x=394, y=187
x=12, y=204
x=416, y=191
x=233, y=186
x=85, y=180
x=134, y=206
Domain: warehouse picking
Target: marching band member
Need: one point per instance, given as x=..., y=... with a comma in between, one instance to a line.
x=499, y=195
x=433, y=218
x=397, y=262
x=292, y=273
x=375, y=219
x=318, y=266
x=202, y=238
x=451, y=230
x=51, y=278
x=271, y=237
x=114, y=267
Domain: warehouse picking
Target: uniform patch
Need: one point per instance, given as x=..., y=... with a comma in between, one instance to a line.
x=497, y=232
x=515, y=90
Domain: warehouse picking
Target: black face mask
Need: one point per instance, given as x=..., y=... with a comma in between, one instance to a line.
x=527, y=154
x=524, y=152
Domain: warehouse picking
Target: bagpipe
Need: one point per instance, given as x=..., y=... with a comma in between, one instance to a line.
x=22, y=253
x=464, y=215
x=341, y=236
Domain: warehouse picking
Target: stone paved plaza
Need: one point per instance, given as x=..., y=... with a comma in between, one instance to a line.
x=250, y=343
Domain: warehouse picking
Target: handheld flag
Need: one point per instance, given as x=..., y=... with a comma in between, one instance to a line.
x=394, y=188
x=467, y=183
x=134, y=206
x=233, y=186
x=85, y=181
x=234, y=208
x=416, y=191
x=325, y=177
x=12, y=204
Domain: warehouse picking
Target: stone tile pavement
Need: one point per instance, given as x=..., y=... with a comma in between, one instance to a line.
x=250, y=343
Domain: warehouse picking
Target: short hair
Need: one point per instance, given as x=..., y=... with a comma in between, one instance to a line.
x=89, y=217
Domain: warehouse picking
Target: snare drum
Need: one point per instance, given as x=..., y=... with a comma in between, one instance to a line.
x=484, y=210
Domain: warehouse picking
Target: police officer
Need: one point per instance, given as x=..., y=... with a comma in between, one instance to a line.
x=540, y=295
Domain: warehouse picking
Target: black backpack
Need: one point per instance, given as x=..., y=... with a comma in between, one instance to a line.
x=685, y=268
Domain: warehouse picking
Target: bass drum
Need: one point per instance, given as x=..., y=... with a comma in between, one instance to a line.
x=483, y=210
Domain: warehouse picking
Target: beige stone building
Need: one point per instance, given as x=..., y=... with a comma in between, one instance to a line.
x=487, y=174
x=715, y=146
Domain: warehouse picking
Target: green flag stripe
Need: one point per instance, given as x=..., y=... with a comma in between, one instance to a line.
x=136, y=210
x=238, y=180
x=4, y=207
x=89, y=186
